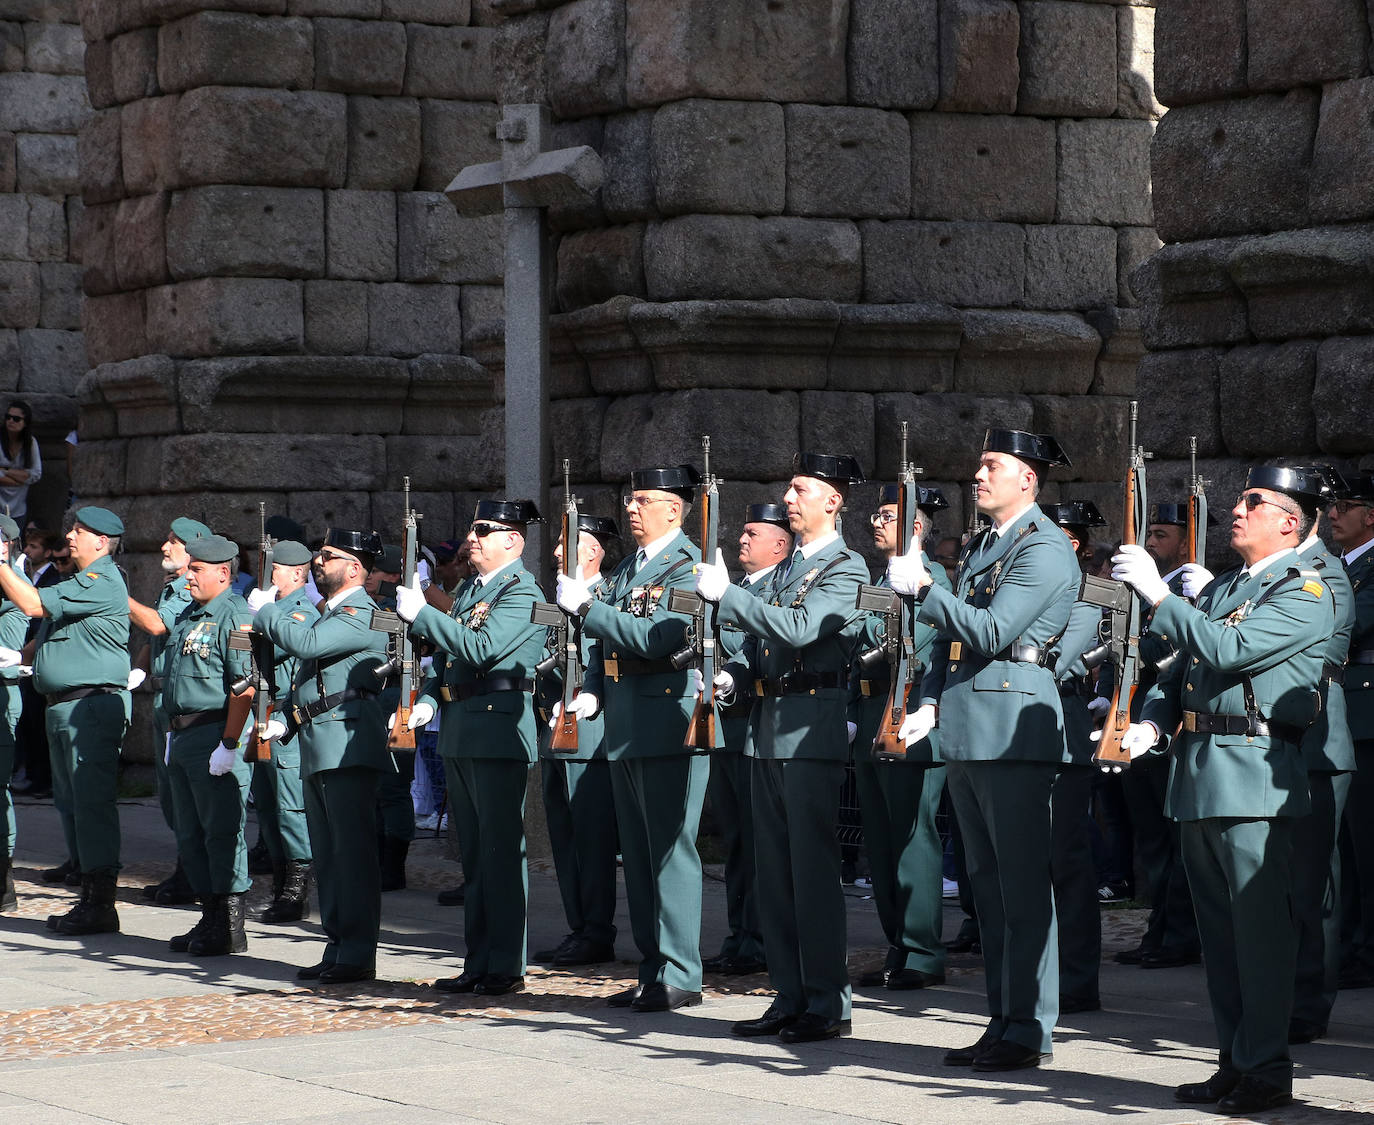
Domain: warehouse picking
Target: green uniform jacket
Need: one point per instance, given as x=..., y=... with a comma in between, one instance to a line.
x=646, y=715
x=171, y=600
x=198, y=666
x=338, y=650
x=734, y=720
x=486, y=632
x=1079, y=637
x=1327, y=746
x=1279, y=645
x=1359, y=677
x=807, y=623
x=591, y=733
x=14, y=626
x=866, y=710
x=1017, y=588
x=85, y=640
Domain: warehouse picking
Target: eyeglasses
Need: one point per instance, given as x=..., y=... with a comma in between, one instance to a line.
x=482, y=530
x=1345, y=506
x=637, y=501
x=1253, y=500
x=332, y=556
x=15, y=418
x=882, y=519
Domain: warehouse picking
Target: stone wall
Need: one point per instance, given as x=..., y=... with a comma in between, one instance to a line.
x=42, y=106
x=1259, y=311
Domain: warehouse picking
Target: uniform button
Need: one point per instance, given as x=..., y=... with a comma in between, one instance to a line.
x=765, y=652
x=1006, y=683
x=1190, y=687
x=812, y=691
x=1195, y=660
x=488, y=706
x=952, y=667
x=1163, y=636
x=667, y=691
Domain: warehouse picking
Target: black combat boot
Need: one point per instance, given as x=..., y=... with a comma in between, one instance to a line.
x=225, y=933
x=55, y=920
x=394, y=863
x=291, y=893
x=9, y=900
x=60, y=873
x=175, y=890
x=95, y=913
x=182, y=942
x=260, y=858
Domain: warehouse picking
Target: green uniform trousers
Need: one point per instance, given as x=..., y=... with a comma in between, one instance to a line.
x=1241, y=875
x=164, y=783
x=341, y=809
x=209, y=814
x=580, y=812
x=84, y=736
x=801, y=901
x=1316, y=897
x=1357, y=862
x=899, y=801
x=658, y=810
x=1004, y=817
x=10, y=706
x=487, y=798
x=279, y=798
x=395, y=807
x=1074, y=875
x=1172, y=924
x=729, y=792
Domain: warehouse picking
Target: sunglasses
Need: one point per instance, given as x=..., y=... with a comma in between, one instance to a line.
x=1253, y=500
x=332, y=556
x=482, y=530
x=15, y=418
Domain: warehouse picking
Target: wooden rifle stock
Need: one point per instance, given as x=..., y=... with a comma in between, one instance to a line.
x=564, y=739
x=259, y=748
x=888, y=744
x=701, y=727
x=401, y=737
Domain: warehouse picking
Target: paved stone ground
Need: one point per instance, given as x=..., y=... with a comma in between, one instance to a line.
x=115, y=1028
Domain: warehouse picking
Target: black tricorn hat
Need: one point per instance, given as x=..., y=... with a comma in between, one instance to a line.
x=928, y=499
x=1175, y=514
x=366, y=545
x=768, y=513
x=1359, y=486
x=836, y=468
x=598, y=526
x=508, y=511
x=1074, y=513
x=1311, y=485
x=1028, y=447
x=681, y=479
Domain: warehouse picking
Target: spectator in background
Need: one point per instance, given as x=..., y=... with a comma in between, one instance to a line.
x=947, y=555
x=20, y=464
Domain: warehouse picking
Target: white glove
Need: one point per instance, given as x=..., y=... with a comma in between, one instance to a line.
x=222, y=760
x=1133, y=566
x=421, y=715
x=917, y=724
x=852, y=729
x=573, y=596
x=713, y=578
x=259, y=598
x=1195, y=578
x=167, y=751
x=10, y=658
x=584, y=706
x=136, y=677
x=25, y=670
x=906, y=574
x=410, y=600
x=698, y=683
x=1098, y=706
x=274, y=729
x=724, y=683
x=1139, y=739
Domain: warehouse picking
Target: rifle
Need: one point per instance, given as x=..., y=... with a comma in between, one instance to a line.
x=567, y=635
x=1196, y=531
x=1122, y=627
x=703, y=629
x=974, y=523
x=897, y=629
x=262, y=657
x=401, y=653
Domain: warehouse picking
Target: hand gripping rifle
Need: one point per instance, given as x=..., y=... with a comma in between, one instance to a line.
x=897, y=628
x=402, y=655
x=262, y=657
x=1120, y=629
x=1196, y=531
x=703, y=629
x=566, y=630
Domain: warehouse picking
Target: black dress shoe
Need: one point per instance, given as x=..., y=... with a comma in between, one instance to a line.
x=1170, y=958
x=465, y=982
x=1129, y=956
x=660, y=997
x=59, y=873
x=1209, y=1092
x=583, y=951
x=546, y=955
x=770, y=1023
x=966, y=1056
x=1252, y=1095
x=716, y=964
x=626, y=998
x=1006, y=1055
x=809, y=1027
x=339, y=973
x=1304, y=1031
x=904, y=980
x=874, y=978
x=499, y=984
x=744, y=966
x=454, y=896
x=1071, y=1005
x=313, y=972
x=964, y=943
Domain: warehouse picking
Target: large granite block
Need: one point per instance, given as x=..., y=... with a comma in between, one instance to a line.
x=982, y=168
x=408, y=320
x=627, y=191
x=1342, y=184
x=225, y=316
x=336, y=317
x=43, y=103
x=46, y=164
x=948, y=429
x=383, y=143
x=1104, y=172
x=233, y=231
x=1182, y=390
x=1291, y=45
x=1070, y=267
x=140, y=241
x=112, y=326
x=980, y=264
x=235, y=49
x=596, y=265
x=96, y=237
x=1343, y=394
x=224, y=462
x=1272, y=373
x=840, y=422
x=360, y=235
x=61, y=299
x=47, y=229
x=586, y=58
x=1092, y=429
x=719, y=157
x=149, y=146
x=435, y=243
x=894, y=53
x=1307, y=283
x=980, y=71
x=1135, y=63
x=14, y=228
x=1188, y=297
x=1199, y=50
x=454, y=135
x=1068, y=59
x=53, y=48
x=1026, y=353
x=20, y=294
x=51, y=361
x=895, y=347
x=100, y=75
x=846, y=161
x=450, y=62
x=133, y=64
x=360, y=56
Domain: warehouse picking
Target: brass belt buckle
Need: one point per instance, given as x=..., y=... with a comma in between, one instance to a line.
x=446, y=694
x=758, y=688
x=299, y=716
x=611, y=667
x=1190, y=721
x=865, y=688
x=956, y=650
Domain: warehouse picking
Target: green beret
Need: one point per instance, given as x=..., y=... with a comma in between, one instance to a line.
x=290, y=553
x=8, y=528
x=100, y=520
x=186, y=529
x=212, y=549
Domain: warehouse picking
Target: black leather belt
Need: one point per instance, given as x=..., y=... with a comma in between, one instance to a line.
x=617, y=666
x=196, y=719
x=1365, y=656
x=79, y=693
x=155, y=683
x=306, y=712
x=1195, y=722
x=1335, y=673
x=879, y=687
x=1025, y=654
x=799, y=683
x=485, y=686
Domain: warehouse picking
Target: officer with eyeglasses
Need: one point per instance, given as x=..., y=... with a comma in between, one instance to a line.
x=1242, y=696
x=658, y=785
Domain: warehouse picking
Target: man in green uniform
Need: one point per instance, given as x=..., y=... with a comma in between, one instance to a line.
x=205, y=767
x=994, y=695
x=395, y=806
x=800, y=640
x=332, y=708
x=765, y=542
x=658, y=785
x=82, y=668
x=1244, y=690
x=14, y=622
x=486, y=735
x=156, y=620
x=578, y=804
x=899, y=799
x=278, y=793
